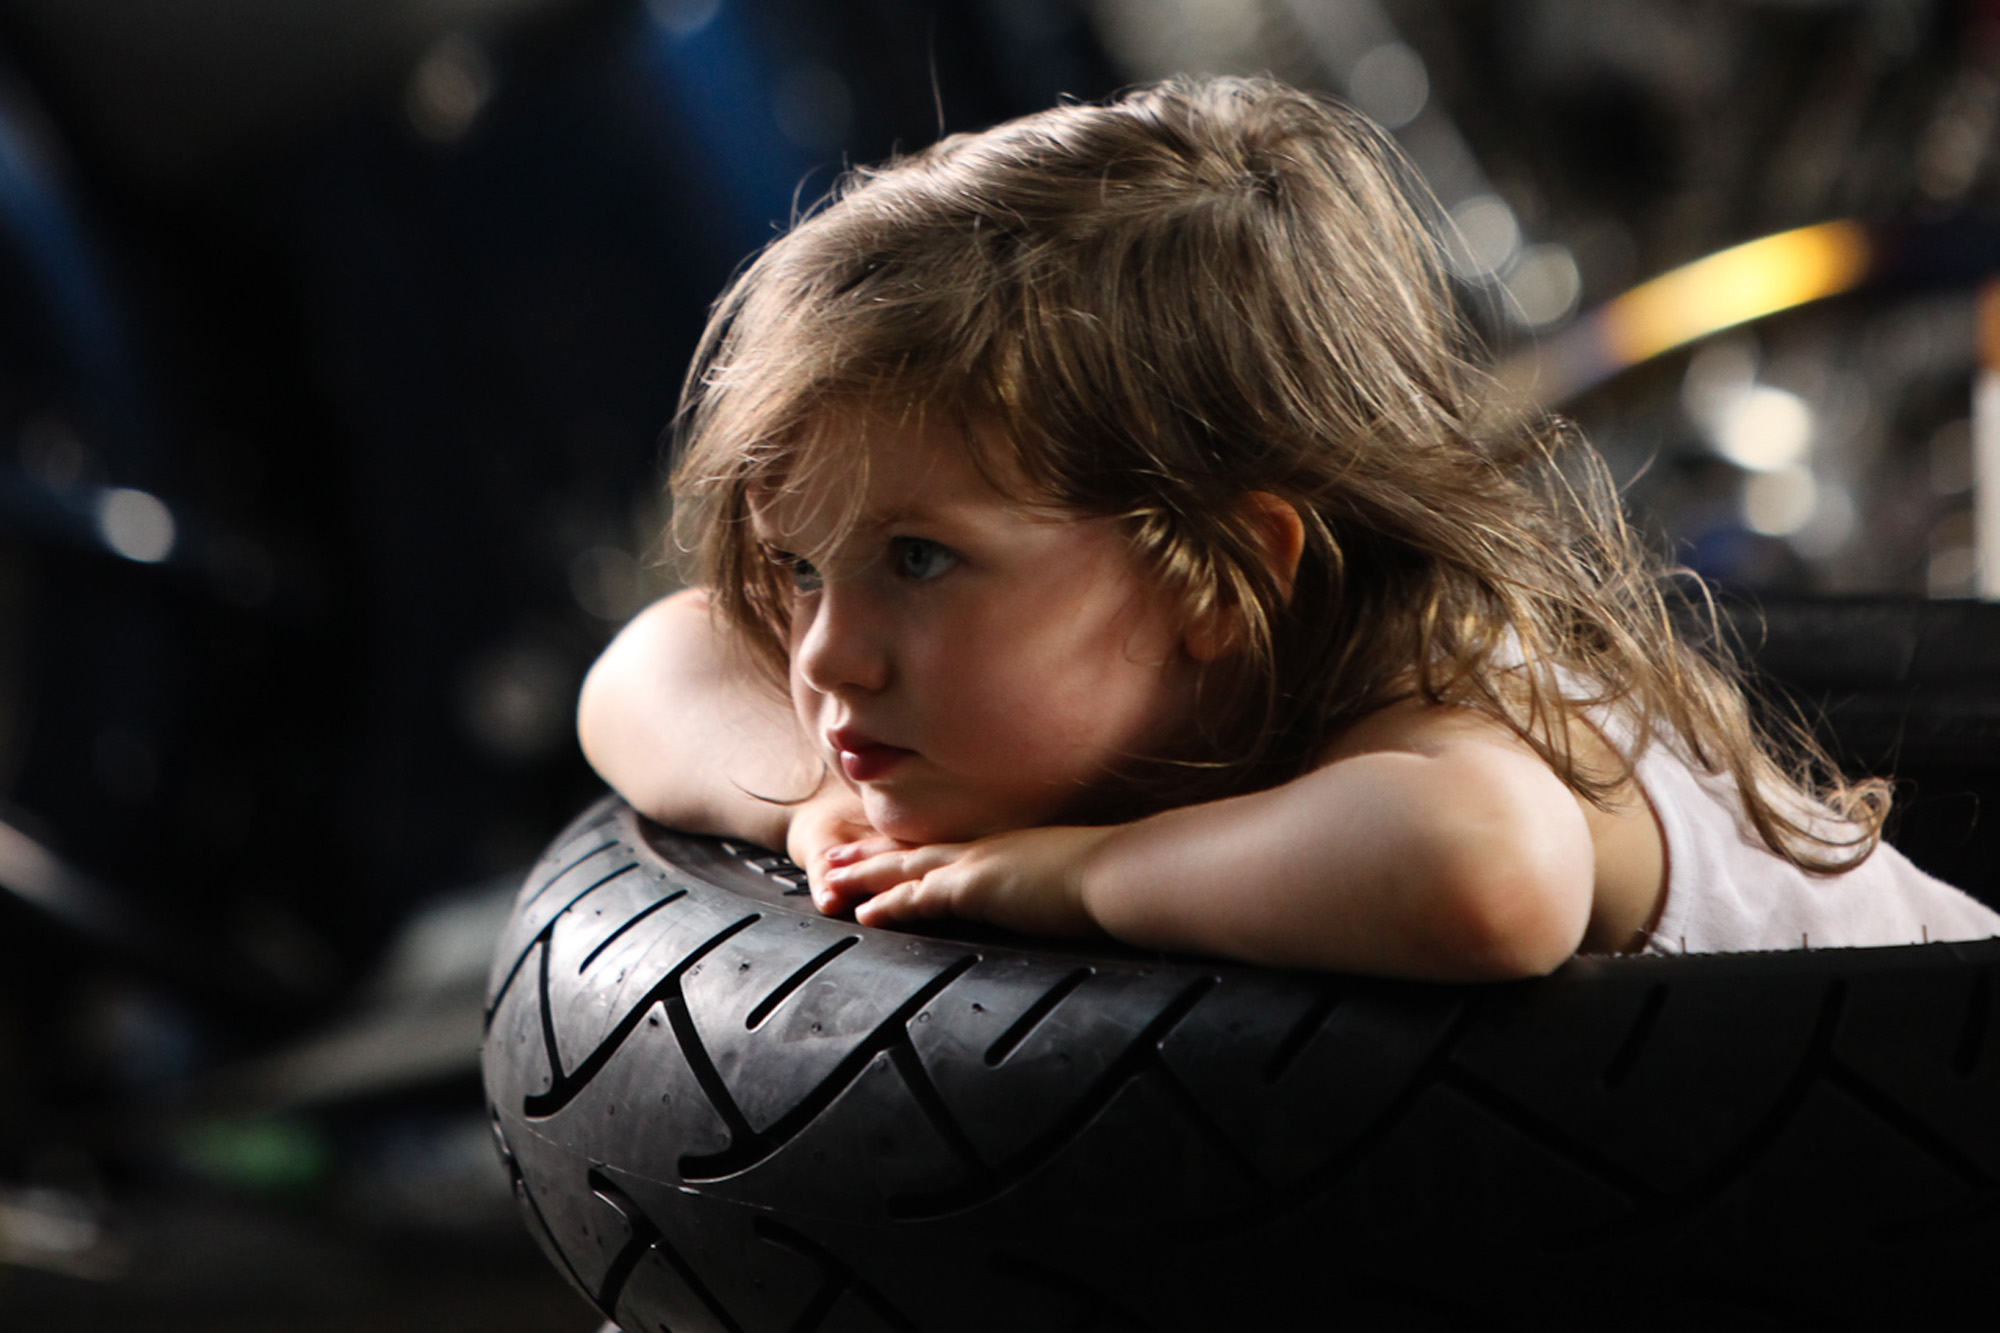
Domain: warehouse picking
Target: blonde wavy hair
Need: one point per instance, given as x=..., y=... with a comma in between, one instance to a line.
x=1194, y=292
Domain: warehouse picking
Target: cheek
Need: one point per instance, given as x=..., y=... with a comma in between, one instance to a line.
x=1123, y=648
x=805, y=699
x=795, y=633
x=1110, y=691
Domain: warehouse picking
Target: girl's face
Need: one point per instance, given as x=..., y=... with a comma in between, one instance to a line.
x=967, y=663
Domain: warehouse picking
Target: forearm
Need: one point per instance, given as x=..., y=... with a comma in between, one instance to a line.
x=677, y=723
x=1431, y=844
x=1458, y=868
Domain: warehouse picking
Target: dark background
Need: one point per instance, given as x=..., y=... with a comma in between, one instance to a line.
x=336, y=341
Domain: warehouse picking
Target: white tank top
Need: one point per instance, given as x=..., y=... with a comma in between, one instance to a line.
x=1728, y=893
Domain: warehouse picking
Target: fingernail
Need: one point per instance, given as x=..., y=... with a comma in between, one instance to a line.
x=840, y=853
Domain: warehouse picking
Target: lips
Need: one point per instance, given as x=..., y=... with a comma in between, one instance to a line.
x=862, y=758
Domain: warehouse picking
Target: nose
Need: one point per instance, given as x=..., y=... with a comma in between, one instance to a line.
x=842, y=644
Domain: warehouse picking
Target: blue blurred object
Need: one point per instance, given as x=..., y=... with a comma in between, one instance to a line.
x=66, y=301
x=715, y=87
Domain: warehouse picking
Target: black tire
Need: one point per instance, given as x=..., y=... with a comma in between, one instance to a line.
x=723, y=1111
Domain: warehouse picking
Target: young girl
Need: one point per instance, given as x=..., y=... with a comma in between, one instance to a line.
x=1100, y=532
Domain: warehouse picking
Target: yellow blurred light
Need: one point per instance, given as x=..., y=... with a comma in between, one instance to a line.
x=1734, y=286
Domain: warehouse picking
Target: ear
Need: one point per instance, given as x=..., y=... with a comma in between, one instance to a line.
x=1280, y=534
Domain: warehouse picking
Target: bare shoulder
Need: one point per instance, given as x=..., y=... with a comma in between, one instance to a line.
x=676, y=719
x=1629, y=852
x=679, y=629
x=677, y=642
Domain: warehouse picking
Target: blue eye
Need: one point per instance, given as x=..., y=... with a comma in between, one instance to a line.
x=805, y=578
x=919, y=560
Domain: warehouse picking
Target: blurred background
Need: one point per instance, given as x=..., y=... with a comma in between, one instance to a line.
x=336, y=341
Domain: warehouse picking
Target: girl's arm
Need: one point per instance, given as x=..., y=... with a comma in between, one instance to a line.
x=1432, y=844
x=677, y=723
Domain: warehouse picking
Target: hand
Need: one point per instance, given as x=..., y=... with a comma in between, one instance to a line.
x=1030, y=880
x=831, y=817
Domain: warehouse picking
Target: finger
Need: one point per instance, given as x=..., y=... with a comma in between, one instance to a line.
x=892, y=866
x=847, y=853
x=838, y=888
x=908, y=901
x=828, y=898
x=847, y=885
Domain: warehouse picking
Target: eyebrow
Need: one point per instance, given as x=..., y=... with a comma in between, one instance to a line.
x=906, y=511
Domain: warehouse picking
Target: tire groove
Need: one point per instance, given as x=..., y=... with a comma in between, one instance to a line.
x=1626, y=1058
x=1129, y=1063
x=1302, y=1032
x=1844, y=1077
x=1532, y=1127
x=557, y=877
x=642, y=1234
x=763, y=1008
x=646, y=1236
x=1032, y=1017
x=550, y=1051
x=1312, y=1186
x=931, y=1102
x=619, y=933
x=840, y=1279
x=541, y=937
x=742, y=1157
x=493, y=1001
x=1209, y=1132
x=526, y=1198
x=564, y=1088
x=813, y=1314
x=1675, y=1206
x=1985, y=1191
x=706, y=1076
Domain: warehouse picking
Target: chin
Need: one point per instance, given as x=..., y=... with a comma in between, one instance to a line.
x=915, y=823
